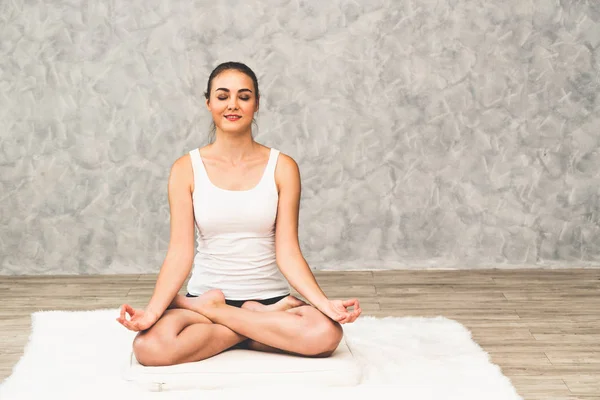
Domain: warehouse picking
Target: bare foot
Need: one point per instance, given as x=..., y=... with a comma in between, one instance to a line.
x=210, y=298
x=282, y=305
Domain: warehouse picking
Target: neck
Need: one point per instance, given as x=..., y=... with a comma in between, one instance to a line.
x=234, y=147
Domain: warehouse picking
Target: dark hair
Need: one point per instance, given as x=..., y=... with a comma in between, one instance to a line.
x=243, y=68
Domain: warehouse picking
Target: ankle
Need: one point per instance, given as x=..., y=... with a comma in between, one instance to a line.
x=253, y=305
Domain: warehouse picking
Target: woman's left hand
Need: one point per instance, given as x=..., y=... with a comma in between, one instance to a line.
x=336, y=310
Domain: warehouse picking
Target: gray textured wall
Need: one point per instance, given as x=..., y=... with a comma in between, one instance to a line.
x=458, y=134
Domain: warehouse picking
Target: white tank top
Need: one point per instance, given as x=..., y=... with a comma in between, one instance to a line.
x=236, y=237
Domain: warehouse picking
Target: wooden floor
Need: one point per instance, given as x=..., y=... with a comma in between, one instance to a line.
x=542, y=327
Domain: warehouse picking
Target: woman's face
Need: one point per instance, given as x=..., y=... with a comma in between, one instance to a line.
x=232, y=92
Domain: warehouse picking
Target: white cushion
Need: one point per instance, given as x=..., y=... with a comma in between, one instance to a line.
x=244, y=368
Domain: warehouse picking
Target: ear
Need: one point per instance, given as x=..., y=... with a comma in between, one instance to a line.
x=208, y=105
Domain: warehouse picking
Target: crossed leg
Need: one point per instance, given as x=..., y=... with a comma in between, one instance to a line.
x=183, y=334
x=302, y=330
x=284, y=304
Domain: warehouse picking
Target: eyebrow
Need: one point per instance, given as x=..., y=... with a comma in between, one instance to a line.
x=241, y=90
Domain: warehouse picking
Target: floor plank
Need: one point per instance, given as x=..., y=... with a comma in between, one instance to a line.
x=540, y=326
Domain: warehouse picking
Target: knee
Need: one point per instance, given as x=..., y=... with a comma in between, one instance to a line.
x=151, y=350
x=325, y=337
x=332, y=334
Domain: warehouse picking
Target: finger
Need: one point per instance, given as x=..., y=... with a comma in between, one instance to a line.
x=126, y=323
x=129, y=310
x=123, y=322
x=352, y=303
x=344, y=319
x=130, y=326
x=354, y=314
x=348, y=303
x=357, y=307
x=124, y=311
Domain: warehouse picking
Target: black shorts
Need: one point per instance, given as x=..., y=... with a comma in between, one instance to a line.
x=238, y=303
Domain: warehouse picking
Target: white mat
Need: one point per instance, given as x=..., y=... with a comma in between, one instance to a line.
x=249, y=368
x=81, y=355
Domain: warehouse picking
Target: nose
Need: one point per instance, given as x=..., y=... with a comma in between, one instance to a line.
x=232, y=103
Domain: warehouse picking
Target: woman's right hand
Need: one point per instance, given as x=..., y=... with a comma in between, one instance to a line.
x=140, y=319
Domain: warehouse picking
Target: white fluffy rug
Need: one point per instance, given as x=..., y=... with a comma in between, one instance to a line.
x=80, y=355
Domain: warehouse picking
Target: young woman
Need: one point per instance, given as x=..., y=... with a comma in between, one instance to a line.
x=244, y=198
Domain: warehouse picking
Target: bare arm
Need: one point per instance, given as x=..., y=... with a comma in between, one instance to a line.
x=287, y=249
x=300, y=276
x=180, y=254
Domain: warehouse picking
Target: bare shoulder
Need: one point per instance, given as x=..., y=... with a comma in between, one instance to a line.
x=182, y=173
x=286, y=170
x=286, y=162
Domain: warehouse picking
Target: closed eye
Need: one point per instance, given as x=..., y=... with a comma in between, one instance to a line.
x=242, y=98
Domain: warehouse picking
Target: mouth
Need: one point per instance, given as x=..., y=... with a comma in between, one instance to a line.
x=232, y=117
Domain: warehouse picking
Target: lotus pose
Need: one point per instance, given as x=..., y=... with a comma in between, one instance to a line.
x=244, y=198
